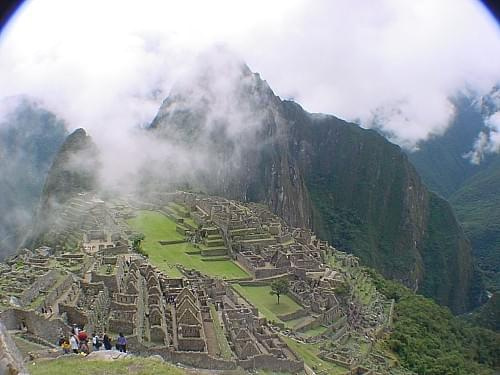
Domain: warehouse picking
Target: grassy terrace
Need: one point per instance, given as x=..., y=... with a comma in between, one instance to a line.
x=83, y=366
x=309, y=353
x=156, y=227
x=267, y=304
x=224, y=348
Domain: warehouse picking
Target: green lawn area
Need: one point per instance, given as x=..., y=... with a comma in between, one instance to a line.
x=157, y=226
x=309, y=353
x=225, y=349
x=83, y=366
x=267, y=303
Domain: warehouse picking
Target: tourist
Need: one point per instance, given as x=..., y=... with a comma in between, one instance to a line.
x=75, y=345
x=66, y=346
x=82, y=336
x=96, y=342
x=121, y=343
x=107, y=342
x=84, y=347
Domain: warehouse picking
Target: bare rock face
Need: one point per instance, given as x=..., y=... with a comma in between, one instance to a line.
x=350, y=185
x=11, y=362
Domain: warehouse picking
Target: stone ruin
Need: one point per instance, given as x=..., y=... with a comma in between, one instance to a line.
x=104, y=286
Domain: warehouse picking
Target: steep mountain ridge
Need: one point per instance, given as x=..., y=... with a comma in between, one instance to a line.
x=74, y=171
x=472, y=189
x=30, y=136
x=350, y=185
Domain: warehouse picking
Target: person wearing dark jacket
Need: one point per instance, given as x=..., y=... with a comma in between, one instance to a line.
x=107, y=342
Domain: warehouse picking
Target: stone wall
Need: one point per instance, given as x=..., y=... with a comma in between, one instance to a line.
x=263, y=273
x=74, y=315
x=35, y=323
x=43, y=282
x=269, y=362
x=11, y=361
x=126, y=327
x=57, y=292
x=108, y=280
x=201, y=360
x=293, y=315
x=115, y=250
x=311, y=325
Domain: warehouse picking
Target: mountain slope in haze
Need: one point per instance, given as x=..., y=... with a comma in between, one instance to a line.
x=74, y=171
x=440, y=160
x=349, y=185
x=472, y=189
x=477, y=204
x=29, y=139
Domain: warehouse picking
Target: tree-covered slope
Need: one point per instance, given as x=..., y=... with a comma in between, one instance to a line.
x=477, y=204
x=429, y=340
x=488, y=314
x=473, y=190
x=367, y=198
x=29, y=139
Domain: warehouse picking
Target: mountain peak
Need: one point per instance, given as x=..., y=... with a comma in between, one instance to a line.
x=74, y=170
x=219, y=85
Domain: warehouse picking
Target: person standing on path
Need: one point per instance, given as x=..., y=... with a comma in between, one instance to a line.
x=107, y=342
x=122, y=343
x=75, y=345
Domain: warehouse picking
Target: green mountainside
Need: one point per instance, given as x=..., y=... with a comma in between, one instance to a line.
x=429, y=340
x=29, y=139
x=473, y=190
x=350, y=185
x=477, y=204
x=487, y=314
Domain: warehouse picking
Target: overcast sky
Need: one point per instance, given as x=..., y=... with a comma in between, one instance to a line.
x=107, y=64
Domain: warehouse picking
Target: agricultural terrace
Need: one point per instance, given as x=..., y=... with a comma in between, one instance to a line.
x=156, y=227
x=260, y=297
x=309, y=353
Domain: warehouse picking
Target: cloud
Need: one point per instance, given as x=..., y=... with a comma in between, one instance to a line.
x=106, y=66
x=488, y=140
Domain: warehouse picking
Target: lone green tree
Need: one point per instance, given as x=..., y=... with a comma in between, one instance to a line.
x=279, y=287
x=137, y=239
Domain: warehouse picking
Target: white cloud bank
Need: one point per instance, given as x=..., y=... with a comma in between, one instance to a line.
x=106, y=65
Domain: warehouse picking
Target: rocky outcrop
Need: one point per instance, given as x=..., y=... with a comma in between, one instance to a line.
x=350, y=185
x=11, y=361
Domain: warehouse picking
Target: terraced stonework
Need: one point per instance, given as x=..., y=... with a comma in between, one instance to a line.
x=209, y=316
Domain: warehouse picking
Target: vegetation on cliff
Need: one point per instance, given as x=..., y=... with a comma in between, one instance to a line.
x=429, y=340
x=350, y=185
